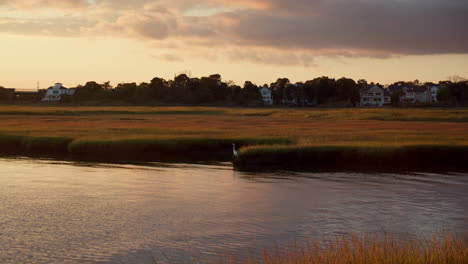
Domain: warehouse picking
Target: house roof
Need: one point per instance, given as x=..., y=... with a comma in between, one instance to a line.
x=366, y=89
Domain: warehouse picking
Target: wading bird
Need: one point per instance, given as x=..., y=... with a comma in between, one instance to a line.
x=234, y=152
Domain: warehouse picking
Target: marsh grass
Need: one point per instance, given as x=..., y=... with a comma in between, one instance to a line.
x=291, y=138
x=378, y=114
x=369, y=249
x=357, y=157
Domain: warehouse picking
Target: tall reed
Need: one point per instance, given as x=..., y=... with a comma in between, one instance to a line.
x=369, y=249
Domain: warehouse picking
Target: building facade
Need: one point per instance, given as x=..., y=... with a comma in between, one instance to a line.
x=374, y=96
x=267, y=95
x=55, y=93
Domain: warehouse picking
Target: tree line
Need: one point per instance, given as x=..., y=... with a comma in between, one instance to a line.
x=212, y=90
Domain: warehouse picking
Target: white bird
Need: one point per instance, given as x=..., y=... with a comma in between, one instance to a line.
x=234, y=152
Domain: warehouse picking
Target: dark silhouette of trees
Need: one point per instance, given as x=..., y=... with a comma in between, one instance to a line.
x=278, y=89
x=89, y=92
x=250, y=95
x=212, y=90
x=4, y=94
x=347, y=90
x=158, y=89
x=125, y=91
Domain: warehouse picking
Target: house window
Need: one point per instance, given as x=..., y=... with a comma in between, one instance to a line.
x=370, y=94
x=378, y=94
x=55, y=92
x=377, y=99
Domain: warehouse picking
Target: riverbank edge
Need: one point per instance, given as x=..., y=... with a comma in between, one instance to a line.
x=355, y=158
x=157, y=149
x=254, y=154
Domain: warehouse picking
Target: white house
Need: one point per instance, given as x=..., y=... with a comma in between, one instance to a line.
x=54, y=93
x=374, y=96
x=267, y=96
x=420, y=94
x=434, y=91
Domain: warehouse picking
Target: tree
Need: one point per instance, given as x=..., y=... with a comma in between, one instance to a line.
x=141, y=94
x=159, y=89
x=199, y=93
x=278, y=90
x=347, y=89
x=444, y=94
x=361, y=83
x=320, y=90
x=90, y=91
x=456, y=78
x=395, y=98
x=179, y=91
x=106, y=86
x=218, y=89
x=250, y=95
x=125, y=91
x=4, y=94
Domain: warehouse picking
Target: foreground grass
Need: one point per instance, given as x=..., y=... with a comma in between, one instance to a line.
x=267, y=137
x=369, y=249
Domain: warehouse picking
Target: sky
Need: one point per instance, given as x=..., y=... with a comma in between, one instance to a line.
x=75, y=41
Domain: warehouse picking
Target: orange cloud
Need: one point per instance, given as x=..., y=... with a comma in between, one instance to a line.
x=29, y=4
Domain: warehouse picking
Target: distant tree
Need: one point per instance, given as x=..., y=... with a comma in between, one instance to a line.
x=278, y=90
x=141, y=94
x=159, y=89
x=235, y=94
x=456, y=78
x=250, y=94
x=444, y=94
x=361, y=83
x=459, y=92
x=179, y=92
x=65, y=99
x=4, y=95
x=199, y=92
x=320, y=90
x=219, y=90
x=90, y=91
x=395, y=98
x=347, y=89
x=106, y=86
x=125, y=91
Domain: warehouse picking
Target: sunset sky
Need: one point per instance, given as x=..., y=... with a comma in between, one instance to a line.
x=74, y=41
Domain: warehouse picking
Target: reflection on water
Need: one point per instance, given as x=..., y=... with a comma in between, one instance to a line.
x=61, y=212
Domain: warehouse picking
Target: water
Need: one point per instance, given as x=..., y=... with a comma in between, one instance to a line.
x=63, y=212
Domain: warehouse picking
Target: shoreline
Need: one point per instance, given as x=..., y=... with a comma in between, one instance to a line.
x=254, y=154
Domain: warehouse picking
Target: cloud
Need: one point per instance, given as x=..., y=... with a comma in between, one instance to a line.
x=360, y=26
x=29, y=4
x=65, y=27
x=267, y=30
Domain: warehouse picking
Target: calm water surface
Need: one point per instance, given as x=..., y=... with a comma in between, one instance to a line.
x=61, y=212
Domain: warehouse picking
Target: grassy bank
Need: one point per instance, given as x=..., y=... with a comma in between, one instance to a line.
x=168, y=149
x=361, y=158
x=448, y=249
x=269, y=137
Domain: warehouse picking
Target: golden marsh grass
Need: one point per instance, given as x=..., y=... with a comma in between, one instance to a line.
x=370, y=249
x=203, y=129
